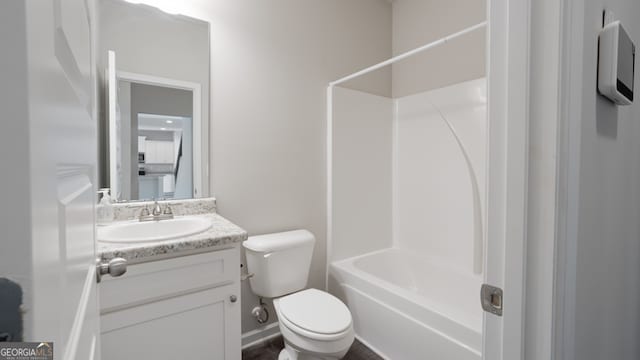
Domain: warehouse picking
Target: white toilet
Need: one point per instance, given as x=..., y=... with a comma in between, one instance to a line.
x=314, y=324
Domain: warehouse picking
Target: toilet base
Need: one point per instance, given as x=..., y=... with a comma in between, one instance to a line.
x=289, y=353
x=284, y=355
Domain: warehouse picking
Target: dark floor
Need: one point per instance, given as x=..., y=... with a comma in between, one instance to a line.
x=270, y=349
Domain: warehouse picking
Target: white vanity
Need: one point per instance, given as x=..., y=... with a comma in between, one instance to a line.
x=180, y=297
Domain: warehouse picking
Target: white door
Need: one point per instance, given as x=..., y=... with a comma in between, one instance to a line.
x=49, y=154
x=508, y=82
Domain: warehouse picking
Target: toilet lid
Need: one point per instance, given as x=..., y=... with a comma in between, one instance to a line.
x=316, y=311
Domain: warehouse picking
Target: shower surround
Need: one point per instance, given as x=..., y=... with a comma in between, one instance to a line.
x=408, y=180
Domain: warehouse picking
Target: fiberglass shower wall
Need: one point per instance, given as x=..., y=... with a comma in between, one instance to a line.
x=400, y=179
x=434, y=192
x=361, y=173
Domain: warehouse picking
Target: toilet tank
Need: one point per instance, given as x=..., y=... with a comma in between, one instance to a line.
x=279, y=262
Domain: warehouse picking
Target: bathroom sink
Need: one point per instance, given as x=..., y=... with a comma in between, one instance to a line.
x=135, y=231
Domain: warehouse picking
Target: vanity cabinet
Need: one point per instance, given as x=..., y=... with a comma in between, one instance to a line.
x=159, y=152
x=180, y=308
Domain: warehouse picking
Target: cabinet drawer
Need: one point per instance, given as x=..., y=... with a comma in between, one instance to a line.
x=154, y=281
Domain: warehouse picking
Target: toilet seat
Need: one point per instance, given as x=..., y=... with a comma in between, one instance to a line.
x=314, y=314
x=315, y=325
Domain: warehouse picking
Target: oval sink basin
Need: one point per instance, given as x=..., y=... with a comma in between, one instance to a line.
x=153, y=230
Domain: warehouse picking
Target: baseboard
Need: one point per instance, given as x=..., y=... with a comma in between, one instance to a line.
x=253, y=337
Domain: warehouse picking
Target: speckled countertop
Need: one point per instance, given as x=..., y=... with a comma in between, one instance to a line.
x=222, y=234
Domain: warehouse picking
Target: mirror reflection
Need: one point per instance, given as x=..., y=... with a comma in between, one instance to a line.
x=161, y=140
x=154, y=129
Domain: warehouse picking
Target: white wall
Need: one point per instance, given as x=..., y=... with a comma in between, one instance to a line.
x=418, y=22
x=607, y=267
x=268, y=108
x=362, y=171
x=434, y=208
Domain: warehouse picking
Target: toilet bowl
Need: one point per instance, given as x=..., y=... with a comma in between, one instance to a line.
x=315, y=325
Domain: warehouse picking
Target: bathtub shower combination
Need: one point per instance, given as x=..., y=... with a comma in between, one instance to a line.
x=406, y=194
x=407, y=308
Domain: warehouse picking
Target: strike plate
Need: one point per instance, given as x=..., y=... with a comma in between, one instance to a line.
x=491, y=298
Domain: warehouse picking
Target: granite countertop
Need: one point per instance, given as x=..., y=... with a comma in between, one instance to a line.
x=222, y=234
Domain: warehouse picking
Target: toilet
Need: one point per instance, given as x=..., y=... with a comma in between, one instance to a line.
x=314, y=324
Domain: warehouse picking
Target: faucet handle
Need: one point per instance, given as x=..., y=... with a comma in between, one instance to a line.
x=145, y=211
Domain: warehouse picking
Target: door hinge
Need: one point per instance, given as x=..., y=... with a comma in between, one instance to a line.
x=491, y=298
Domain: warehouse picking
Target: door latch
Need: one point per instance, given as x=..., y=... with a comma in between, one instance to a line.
x=491, y=298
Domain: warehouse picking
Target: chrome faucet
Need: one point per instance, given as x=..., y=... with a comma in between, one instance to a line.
x=156, y=214
x=157, y=210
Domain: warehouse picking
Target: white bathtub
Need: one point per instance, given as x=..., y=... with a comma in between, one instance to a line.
x=410, y=308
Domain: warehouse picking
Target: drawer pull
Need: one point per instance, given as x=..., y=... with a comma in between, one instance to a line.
x=233, y=298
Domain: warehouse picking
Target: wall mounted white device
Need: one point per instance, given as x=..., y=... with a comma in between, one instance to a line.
x=616, y=66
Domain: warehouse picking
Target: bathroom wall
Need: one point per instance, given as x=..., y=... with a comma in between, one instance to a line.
x=418, y=22
x=150, y=99
x=362, y=172
x=268, y=108
x=434, y=199
x=606, y=287
x=268, y=86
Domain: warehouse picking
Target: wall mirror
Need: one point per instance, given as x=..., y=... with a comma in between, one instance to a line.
x=155, y=113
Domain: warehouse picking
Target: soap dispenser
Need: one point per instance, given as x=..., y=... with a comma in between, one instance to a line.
x=105, y=213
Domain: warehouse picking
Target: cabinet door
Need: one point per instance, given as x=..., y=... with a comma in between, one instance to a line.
x=202, y=325
x=150, y=152
x=167, y=152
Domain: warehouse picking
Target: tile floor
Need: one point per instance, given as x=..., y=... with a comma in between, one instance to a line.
x=270, y=349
